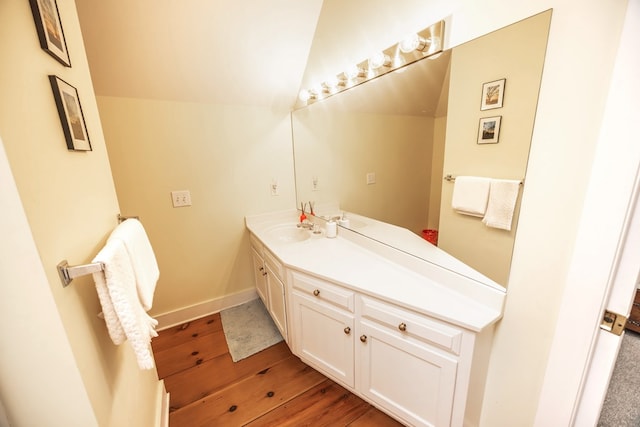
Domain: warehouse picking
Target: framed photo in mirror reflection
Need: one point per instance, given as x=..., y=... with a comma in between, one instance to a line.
x=492, y=94
x=489, y=130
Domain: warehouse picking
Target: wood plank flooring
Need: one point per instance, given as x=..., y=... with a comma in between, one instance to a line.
x=271, y=388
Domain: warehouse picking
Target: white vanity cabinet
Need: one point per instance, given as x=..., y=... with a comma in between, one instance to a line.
x=409, y=337
x=323, y=326
x=412, y=366
x=269, y=276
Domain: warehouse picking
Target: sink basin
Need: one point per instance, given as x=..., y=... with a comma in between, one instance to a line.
x=288, y=233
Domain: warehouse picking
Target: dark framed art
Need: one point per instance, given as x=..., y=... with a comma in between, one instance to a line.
x=492, y=94
x=70, y=112
x=489, y=130
x=49, y=26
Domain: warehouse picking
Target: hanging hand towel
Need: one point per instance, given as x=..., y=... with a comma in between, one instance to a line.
x=124, y=315
x=502, y=203
x=470, y=195
x=132, y=234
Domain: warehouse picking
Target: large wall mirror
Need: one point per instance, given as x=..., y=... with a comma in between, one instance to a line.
x=408, y=129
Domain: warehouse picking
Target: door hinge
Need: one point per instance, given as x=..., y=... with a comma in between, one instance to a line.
x=613, y=322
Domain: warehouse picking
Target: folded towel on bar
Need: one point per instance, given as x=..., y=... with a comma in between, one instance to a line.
x=132, y=234
x=123, y=313
x=470, y=195
x=503, y=195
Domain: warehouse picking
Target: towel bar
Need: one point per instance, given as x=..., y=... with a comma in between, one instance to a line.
x=68, y=273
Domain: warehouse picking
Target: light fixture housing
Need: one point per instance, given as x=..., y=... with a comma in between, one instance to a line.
x=423, y=44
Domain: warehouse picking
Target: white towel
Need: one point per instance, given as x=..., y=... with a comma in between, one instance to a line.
x=132, y=234
x=124, y=315
x=470, y=195
x=502, y=203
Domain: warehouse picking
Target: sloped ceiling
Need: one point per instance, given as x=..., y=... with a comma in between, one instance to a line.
x=242, y=52
x=249, y=52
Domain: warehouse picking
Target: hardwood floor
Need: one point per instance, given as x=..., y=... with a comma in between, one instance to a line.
x=271, y=388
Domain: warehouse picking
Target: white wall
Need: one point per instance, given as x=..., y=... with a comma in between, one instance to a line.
x=37, y=367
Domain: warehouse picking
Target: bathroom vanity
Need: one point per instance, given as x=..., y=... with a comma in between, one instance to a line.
x=409, y=336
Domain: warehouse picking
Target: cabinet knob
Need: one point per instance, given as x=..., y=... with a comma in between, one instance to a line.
x=363, y=338
x=316, y=292
x=261, y=268
x=402, y=327
x=347, y=330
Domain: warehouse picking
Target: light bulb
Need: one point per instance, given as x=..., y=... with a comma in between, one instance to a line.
x=316, y=90
x=379, y=59
x=412, y=42
x=304, y=95
x=352, y=72
x=331, y=83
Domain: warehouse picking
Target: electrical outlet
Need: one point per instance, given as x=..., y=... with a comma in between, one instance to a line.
x=371, y=178
x=274, y=187
x=181, y=198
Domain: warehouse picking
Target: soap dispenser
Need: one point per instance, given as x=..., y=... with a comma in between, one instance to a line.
x=344, y=221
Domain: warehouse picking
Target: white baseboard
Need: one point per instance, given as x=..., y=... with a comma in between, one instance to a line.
x=187, y=314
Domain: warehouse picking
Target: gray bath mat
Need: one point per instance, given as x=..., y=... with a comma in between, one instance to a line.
x=248, y=329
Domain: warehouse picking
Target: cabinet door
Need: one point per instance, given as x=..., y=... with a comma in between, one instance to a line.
x=276, y=304
x=410, y=378
x=260, y=274
x=324, y=338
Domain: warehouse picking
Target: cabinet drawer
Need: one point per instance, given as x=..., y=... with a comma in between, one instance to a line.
x=410, y=324
x=323, y=291
x=275, y=264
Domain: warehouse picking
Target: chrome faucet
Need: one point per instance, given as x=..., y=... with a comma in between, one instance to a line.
x=306, y=224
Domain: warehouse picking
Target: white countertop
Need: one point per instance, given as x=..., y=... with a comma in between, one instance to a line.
x=345, y=260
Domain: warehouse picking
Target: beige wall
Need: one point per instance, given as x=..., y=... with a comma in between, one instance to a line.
x=70, y=205
x=515, y=53
x=340, y=148
x=227, y=157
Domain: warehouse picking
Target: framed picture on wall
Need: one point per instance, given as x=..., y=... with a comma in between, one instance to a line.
x=49, y=26
x=489, y=130
x=492, y=94
x=70, y=112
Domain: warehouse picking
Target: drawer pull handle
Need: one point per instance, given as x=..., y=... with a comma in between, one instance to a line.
x=316, y=292
x=347, y=330
x=264, y=273
x=363, y=338
x=402, y=327
x=261, y=268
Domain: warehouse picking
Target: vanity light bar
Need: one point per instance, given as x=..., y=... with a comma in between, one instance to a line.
x=415, y=47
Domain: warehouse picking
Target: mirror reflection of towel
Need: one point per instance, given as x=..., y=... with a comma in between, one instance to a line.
x=470, y=195
x=503, y=195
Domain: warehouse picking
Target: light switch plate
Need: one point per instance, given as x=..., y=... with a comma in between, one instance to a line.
x=371, y=178
x=181, y=198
